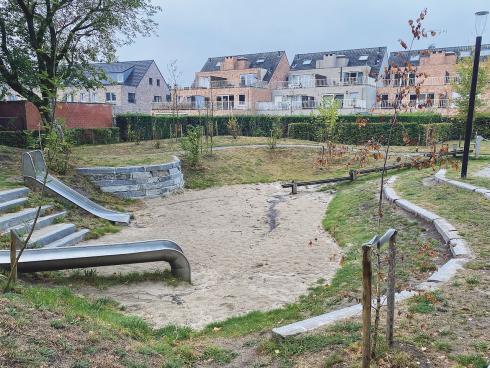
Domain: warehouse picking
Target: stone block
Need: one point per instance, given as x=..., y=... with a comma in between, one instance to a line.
x=141, y=177
x=390, y=194
x=115, y=182
x=159, y=173
x=459, y=248
x=446, y=230
x=174, y=170
x=120, y=188
x=132, y=194
x=447, y=271
x=129, y=169
x=153, y=192
x=462, y=185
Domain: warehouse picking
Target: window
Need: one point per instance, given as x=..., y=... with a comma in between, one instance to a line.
x=248, y=79
x=218, y=64
x=363, y=57
x=260, y=61
x=131, y=97
x=415, y=57
x=82, y=97
x=384, y=101
x=307, y=62
x=157, y=98
x=12, y=98
x=150, y=81
x=302, y=81
x=241, y=99
x=158, y=82
x=168, y=98
x=110, y=97
x=465, y=54
x=413, y=101
x=204, y=82
x=93, y=97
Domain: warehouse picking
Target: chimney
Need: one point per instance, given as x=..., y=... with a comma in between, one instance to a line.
x=328, y=61
x=229, y=63
x=243, y=63
x=342, y=61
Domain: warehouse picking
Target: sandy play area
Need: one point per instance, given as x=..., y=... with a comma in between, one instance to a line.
x=251, y=247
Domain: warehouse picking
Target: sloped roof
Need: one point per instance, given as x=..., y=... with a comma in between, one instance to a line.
x=271, y=61
x=375, y=56
x=140, y=68
x=400, y=58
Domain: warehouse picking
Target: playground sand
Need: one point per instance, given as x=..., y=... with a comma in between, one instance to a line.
x=251, y=247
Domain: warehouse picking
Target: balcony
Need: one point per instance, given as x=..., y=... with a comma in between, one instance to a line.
x=326, y=82
x=308, y=105
x=412, y=104
x=207, y=106
x=428, y=81
x=217, y=84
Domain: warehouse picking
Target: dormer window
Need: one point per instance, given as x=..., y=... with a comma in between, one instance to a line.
x=415, y=57
x=218, y=64
x=260, y=61
x=363, y=57
x=307, y=62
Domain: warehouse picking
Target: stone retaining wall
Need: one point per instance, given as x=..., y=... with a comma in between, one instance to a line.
x=137, y=181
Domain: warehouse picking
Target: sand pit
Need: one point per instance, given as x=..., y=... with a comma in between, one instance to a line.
x=251, y=247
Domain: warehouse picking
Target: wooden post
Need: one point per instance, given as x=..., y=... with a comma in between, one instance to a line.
x=13, y=255
x=390, y=294
x=366, y=305
x=294, y=188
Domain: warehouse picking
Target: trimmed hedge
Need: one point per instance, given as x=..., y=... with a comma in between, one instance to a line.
x=78, y=136
x=307, y=127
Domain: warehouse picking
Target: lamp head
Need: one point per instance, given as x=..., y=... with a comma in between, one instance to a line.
x=480, y=22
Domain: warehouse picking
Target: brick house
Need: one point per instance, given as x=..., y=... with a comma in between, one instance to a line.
x=230, y=85
x=347, y=76
x=132, y=86
x=438, y=66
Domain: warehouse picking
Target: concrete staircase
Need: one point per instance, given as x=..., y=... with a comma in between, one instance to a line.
x=50, y=231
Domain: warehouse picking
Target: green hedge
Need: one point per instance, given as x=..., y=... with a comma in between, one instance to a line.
x=78, y=136
x=146, y=127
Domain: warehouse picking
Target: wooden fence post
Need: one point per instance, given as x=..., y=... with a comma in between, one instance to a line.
x=366, y=305
x=294, y=188
x=13, y=255
x=390, y=295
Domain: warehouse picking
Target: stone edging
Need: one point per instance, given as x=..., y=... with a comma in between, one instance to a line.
x=137, y=181
x=440, y=177
x=459, y=249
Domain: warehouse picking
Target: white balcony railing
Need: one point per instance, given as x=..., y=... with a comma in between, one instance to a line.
x=436, y=104
x=325, y=82
x=218, y=105
x=305, y=105
x=227, y=84
x=423, y=81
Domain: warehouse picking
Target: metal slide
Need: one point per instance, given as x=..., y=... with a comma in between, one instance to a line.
x=34, y=171
x=37, y=260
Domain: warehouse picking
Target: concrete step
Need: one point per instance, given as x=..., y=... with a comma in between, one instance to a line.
x=42, y=222
x=50, y=234
x=8, y=195
x=11, y=204
x=69, y=240
x=17, y=218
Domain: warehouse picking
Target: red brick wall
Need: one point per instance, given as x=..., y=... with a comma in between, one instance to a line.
x=22, y=115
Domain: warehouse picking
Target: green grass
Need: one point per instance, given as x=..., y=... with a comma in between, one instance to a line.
x=219, y=355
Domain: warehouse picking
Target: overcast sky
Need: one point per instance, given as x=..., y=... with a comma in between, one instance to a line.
x=191, y=31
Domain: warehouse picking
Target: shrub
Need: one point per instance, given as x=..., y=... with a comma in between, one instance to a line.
x=233, y=127
x=191, y=144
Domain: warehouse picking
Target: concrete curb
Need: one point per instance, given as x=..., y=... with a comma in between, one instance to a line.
x=440, y=177
x=459, y=249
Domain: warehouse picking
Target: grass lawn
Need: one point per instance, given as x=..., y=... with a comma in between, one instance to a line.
x=153, y=152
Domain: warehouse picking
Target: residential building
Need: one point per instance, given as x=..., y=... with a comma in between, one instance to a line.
x=131, y=86
x=347, y=76
x=430, y=86
x=230, y=85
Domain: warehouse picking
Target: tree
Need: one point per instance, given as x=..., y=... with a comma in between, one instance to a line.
x=50, y=44
x=174, y=76
x=464, y=70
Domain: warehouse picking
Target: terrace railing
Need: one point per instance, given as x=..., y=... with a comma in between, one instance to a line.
x=305, y=105
x=325, y=82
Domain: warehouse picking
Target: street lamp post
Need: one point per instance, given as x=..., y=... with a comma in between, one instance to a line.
x=481, y=20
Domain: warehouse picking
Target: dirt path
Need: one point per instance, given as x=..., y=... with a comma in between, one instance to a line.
x=484, y=173
x=248, y=246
